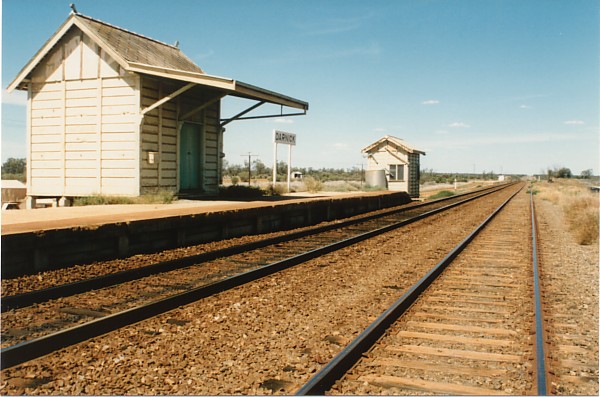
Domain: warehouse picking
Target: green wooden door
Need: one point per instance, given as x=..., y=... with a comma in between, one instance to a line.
x=190, y=157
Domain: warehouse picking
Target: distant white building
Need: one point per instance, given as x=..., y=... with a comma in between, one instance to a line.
x=398, y=160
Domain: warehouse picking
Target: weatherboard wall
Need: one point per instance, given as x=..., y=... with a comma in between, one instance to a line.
x=84, y=123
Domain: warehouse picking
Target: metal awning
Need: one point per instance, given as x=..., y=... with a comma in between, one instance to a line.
x=228, y=86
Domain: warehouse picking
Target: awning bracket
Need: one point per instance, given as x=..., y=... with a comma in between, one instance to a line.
x=167, y=98
x=238, y=116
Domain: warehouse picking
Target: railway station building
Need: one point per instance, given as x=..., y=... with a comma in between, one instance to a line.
x=398, y=161
x=112, y=112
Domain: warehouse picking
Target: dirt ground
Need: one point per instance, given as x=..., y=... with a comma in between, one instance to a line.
x=569, y=273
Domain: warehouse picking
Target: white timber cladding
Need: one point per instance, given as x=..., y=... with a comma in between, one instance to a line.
x=84, y=123
x=384, y=157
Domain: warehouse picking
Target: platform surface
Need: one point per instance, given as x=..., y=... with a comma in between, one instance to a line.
x=23, y=221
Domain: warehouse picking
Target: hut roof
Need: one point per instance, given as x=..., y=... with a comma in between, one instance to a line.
x=397, y=142
x=135, y=48
x=141, y=54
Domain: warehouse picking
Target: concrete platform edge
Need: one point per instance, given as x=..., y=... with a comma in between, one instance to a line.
x=32, y=252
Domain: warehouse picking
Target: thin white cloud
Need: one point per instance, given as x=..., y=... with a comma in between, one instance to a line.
x=525, y=107
x=459, y=124
x=430, y=102
x=371, y=50
x=574, y=122
x=474, y=141
x=528, y=97
x=204, y=55
x=283, y=120
x=340, y=146
x=318, y=27
x=379, y=129
x=16, y=97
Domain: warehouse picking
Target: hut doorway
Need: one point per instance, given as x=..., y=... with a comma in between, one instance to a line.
x=191, y=157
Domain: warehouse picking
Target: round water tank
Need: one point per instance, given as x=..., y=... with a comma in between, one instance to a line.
x=376, y=178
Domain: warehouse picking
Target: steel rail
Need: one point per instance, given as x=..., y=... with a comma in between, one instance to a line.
x=60, y=291
x=540, y=355
x=349, y=356
x=25, y=351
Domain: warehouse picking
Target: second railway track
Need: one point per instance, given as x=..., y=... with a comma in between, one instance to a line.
x=213, y=353
x=472, y=331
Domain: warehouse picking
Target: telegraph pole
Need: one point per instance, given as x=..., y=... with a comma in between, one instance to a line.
x=250, y=155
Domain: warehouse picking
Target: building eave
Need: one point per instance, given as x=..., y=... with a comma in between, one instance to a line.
x=230, y=86
x=42, y=52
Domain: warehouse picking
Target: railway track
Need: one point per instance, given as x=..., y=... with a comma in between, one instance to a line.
x=301, y=240
x=469, y=328
x=56, y=322
x=220, y=342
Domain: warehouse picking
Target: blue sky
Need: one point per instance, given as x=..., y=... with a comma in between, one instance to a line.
x=496, y=85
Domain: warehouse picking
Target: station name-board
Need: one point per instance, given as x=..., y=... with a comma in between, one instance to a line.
x=284, y=137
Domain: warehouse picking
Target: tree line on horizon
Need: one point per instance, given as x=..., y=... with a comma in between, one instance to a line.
x=16, y=169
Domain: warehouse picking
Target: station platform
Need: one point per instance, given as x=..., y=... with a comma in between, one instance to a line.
x=35, y=240
x=51, y=218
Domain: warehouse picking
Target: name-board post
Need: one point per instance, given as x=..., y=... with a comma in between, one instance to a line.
x=285, y=138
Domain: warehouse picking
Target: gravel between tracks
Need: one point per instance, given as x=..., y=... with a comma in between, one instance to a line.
x=266, y=337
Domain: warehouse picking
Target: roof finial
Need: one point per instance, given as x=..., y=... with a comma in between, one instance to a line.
x=176, y=44
x=74, y=10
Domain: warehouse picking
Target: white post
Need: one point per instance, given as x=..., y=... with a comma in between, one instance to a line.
x=287, y=139
x=289, y=173
x=274, y=163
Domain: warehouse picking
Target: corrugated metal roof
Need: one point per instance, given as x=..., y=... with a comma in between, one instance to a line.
x=134, y=47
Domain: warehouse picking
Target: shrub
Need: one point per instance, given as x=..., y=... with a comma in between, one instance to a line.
x=161, y=196
x=582, y=216
x=340, y=186
x=442, y=194
x=312, y=185
x=101, y=200
x=275, y=190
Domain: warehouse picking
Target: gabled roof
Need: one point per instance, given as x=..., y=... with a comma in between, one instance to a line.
x=140, y=54
x=395, y=142
x=135, y=48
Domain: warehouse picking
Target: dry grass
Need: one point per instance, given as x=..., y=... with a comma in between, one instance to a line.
x=580, y=207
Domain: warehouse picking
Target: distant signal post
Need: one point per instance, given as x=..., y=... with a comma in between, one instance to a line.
x=286, y=138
